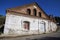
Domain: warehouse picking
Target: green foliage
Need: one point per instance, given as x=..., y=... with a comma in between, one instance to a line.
x=2, y=19
x=57, y=19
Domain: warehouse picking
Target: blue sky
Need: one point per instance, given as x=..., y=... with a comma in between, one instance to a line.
x=51, y=7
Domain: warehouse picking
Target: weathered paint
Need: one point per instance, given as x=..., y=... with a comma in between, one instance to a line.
x=53, y=26
x=14, y=25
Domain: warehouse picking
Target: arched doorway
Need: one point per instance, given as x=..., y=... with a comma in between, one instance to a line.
x=42, y=27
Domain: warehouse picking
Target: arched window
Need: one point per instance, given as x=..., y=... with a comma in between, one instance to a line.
x=34, y=12
x=39, y=14
x=26, y=25
x=29, y=11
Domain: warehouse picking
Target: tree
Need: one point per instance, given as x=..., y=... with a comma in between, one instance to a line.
x=57, y=20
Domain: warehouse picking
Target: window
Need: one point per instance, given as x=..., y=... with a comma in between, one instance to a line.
x=29, y=11
x=39, y=14
x=34, y=11
x=26, y=25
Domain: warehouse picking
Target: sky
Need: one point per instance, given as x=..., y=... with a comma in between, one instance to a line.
x=51, y=7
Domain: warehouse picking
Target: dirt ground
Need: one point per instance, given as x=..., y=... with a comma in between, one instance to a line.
x=48, y=36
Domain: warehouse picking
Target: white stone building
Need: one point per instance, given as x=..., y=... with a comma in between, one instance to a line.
x=28, y=19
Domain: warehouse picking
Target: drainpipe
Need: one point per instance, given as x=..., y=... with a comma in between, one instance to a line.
x=38, y=26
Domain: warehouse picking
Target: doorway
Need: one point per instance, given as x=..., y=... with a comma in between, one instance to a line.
x=42, y=27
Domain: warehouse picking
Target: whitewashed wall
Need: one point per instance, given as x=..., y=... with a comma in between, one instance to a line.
x=14, y=25
x=53, y=26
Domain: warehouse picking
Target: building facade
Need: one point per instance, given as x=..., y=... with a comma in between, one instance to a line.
x=28, y=19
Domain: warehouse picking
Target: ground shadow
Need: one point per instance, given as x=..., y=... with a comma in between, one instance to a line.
x=48, y=38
